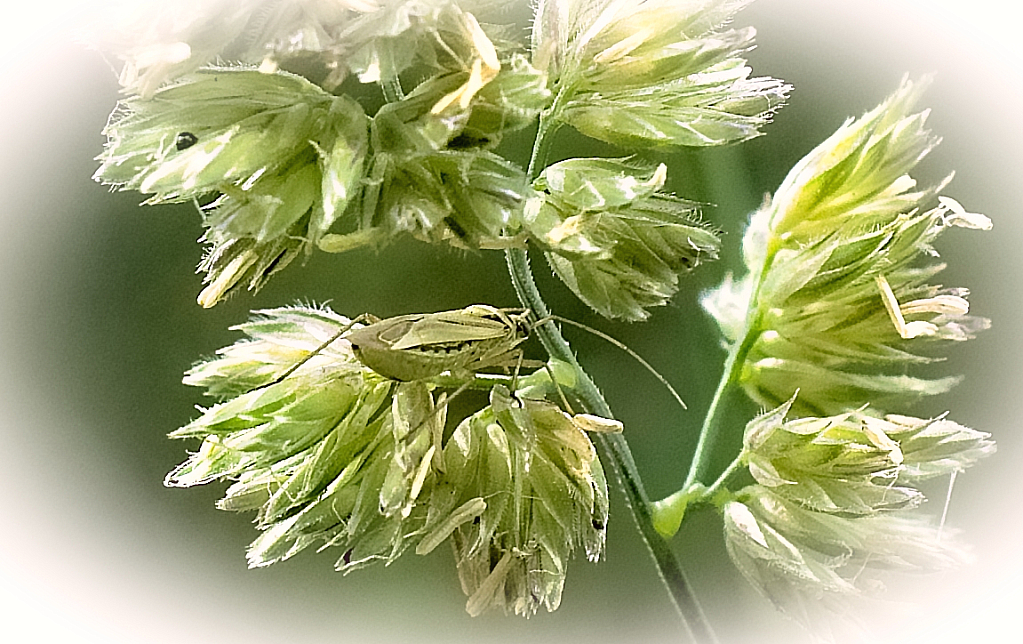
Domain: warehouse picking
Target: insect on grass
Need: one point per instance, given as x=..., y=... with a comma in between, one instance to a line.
x=419, y=346
x=424, y=345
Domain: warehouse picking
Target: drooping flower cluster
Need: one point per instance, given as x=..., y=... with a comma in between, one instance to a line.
x=286, y=157
x=544, y=492
x=613, y=237
x=831, y=499
x=331, y=454
x=280, y=159
x=835, y=308
x=653, y=72
x=263, y=120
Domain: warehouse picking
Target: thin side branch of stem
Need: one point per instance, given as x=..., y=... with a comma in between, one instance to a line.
x=705, y=442
x=733, y=366
x=732, y=467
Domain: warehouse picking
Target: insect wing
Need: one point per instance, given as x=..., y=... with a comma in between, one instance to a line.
x=382, y=334
x=374, y=347
x=412, y=347
x=450, y=328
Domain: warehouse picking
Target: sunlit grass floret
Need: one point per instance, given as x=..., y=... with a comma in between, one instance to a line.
x=330, y=454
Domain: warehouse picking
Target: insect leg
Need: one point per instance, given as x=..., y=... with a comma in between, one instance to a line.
x=504, y=242
x=439, y=418
x=518, y=367
x=557, y=386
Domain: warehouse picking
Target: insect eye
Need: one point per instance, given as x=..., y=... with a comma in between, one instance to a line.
x=185, y=140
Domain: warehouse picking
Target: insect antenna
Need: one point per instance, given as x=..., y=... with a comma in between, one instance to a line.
x=621, y=345
x=315, y=352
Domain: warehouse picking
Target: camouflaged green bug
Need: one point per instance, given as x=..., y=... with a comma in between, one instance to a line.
x=423, y=345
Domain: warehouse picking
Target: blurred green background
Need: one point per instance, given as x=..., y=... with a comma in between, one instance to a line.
x=98, y=321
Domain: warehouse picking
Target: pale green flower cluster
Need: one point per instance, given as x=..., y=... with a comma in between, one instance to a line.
x=332, y=454
x=835, y=309
x=613, y=237
x=289, y=159
x=830, y=505
x=653, y=72
x=834, y=273
x=159, y=40
x=541, y=492
x=284, y=156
